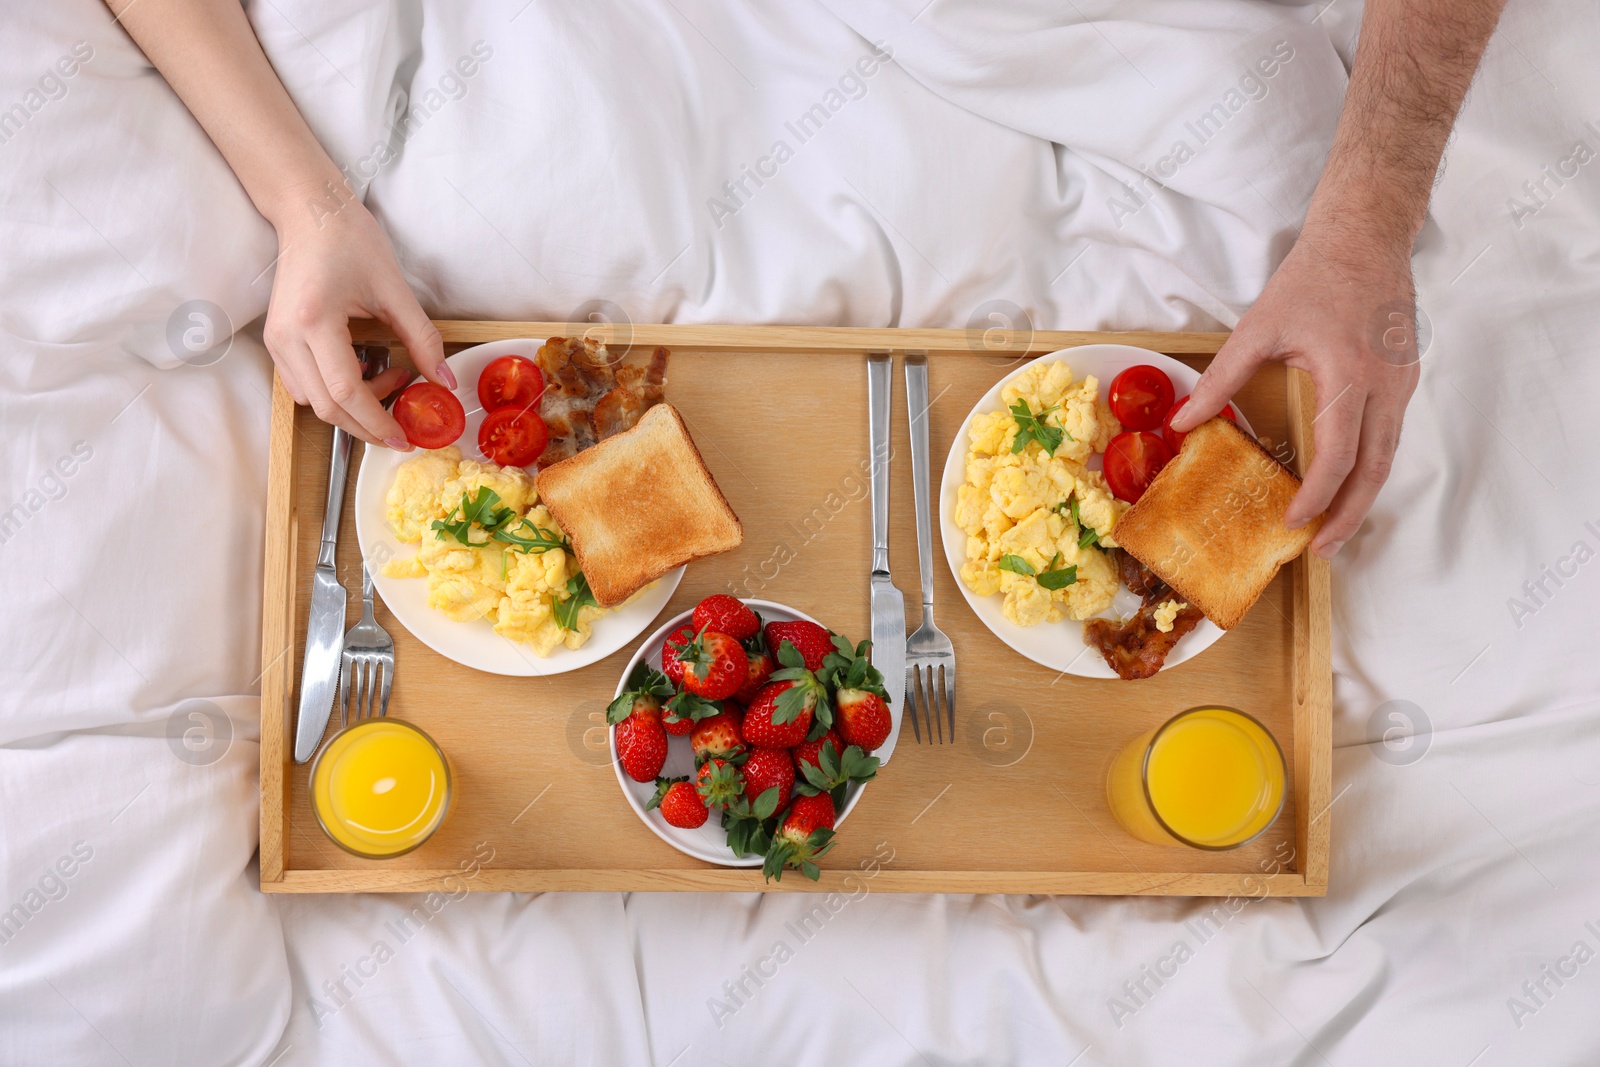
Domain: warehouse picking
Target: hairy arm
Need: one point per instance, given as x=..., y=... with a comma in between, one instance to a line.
x=334, y=260
x=1342, y=304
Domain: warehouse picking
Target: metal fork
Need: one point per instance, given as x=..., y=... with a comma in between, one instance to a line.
x=930, y=658
x=366, y=673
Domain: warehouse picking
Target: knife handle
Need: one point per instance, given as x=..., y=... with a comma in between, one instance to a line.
x=878, y=431
x=335, y=505
x=917, y=423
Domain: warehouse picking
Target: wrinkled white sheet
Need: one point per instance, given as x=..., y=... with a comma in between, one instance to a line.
x=999, y=163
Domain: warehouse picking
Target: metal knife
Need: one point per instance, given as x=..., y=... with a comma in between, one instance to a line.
x=888, y=606
x=319, y=675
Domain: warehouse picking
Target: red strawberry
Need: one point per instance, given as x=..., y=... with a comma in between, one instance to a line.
x=714, y=665
x=804, y=835
x=769, y=768
x=761, y=666
x=724, y=614
x=717, y=736
x=679, y=802
x=680, y=713
x=808, y=751
x=734, y=710
x=859, y=698
x=719, y=783
x=642, y=745
x=863, y=718
x=770, y=726
x=670, y=649
x=677, y=725
x=810, y=640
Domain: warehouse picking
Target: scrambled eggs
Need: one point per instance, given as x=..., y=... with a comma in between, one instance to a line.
x=1166, y=612
x=516, y=591
x=1020, y=505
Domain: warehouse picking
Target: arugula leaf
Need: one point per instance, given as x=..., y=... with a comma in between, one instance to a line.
x=578, y=595
x=1086, y=534
x=540, y=540
x=482, y=510
x=1032, y=427
x=1016, y=565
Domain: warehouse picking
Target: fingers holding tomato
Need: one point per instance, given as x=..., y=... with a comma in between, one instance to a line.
x=430, y=415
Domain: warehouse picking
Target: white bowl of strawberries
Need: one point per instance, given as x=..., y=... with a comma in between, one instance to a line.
x=742, y=733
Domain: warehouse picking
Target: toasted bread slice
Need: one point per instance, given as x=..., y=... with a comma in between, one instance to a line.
x=638, y=504
x=1211, y=523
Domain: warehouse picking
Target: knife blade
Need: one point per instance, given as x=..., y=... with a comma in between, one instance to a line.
x=887, y=604
x=319, y=674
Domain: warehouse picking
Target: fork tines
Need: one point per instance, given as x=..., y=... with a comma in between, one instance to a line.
x=931, y=694
x=366, y=679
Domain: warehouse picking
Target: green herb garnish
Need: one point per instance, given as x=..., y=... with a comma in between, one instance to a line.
x=578, y=595
x=539, y=540
x=1050, y=578
x=1054, y=578
x=1086, y=534
x=1031, y=427
x=482, y=510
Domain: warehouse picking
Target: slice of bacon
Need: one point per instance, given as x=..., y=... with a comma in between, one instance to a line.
x=1135, y=648
x=1140, y=580
x=592, y=393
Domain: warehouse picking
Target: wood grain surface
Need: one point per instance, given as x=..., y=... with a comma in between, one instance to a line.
x=1015, y=803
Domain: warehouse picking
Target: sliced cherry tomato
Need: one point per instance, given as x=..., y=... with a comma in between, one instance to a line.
x=1174, y=438
x=1133, y=460
x=513, y=437
x=1140, y=397
x=510, y=381
x=430, y=415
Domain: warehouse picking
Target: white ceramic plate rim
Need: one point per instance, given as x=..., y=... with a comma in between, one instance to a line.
x=1059, y=646
x=475, y=644
x=708, y=842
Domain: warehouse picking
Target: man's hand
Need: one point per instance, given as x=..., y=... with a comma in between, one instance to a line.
x=333, y=267
x=1341, y=305
x=1348, y=321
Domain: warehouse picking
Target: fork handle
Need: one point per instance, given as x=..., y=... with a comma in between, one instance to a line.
x=917, y=402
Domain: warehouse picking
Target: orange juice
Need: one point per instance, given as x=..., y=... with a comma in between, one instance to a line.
x=1210, y=778
x=380, y=787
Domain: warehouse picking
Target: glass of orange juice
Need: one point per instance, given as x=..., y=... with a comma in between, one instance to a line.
x=380, y=788
x=1210, y=777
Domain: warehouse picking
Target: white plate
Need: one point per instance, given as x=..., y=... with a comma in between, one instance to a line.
x=475, y=644
x=708, y=842
x=1059, y=645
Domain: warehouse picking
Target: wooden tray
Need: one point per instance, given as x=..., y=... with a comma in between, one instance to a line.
x=1015, y=805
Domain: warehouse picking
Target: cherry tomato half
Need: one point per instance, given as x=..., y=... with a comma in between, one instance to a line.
x=510, y=381
x=1174, y=438
x=1133, y=460
x=513, y=437
x=430, y=415
x=1140, y=397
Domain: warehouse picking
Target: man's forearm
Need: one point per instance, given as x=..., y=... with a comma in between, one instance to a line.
x=1413, y=66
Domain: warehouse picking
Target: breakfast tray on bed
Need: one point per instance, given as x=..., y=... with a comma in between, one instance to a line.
x=1015, y=805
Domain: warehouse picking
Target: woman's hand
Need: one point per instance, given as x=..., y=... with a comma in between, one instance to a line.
x=1349, y=321
x=332, y=267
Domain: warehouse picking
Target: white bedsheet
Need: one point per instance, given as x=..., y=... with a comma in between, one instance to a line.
x=998, y=156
